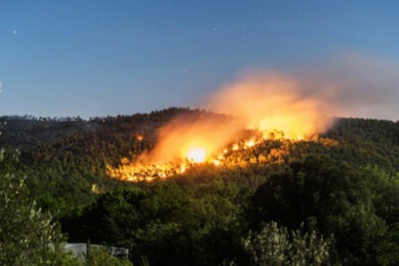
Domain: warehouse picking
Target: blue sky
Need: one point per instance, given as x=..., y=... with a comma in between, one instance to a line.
x=96, y=58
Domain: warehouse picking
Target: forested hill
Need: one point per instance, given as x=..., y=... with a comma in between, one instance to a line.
x=375, y=140
x=111, y=138
x=336, y=195
x=26, y=132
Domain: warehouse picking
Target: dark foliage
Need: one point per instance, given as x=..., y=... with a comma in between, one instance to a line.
x=343, y=184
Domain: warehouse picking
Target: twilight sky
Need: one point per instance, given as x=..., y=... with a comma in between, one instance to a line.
x=99, y=57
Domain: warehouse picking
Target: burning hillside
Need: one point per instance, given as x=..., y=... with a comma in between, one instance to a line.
x=274, y=102
x=143, y=169
x=272, y=106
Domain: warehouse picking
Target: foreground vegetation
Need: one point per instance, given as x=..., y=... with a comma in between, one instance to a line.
x=333, y=199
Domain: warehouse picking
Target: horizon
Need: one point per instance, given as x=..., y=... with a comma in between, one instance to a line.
x=88, y=119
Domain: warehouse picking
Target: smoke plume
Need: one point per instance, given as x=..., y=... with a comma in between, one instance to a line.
x=355, y=85
x=273, y=102
x=298, y=103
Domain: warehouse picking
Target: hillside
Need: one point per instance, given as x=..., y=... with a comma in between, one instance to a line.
x=342, y=186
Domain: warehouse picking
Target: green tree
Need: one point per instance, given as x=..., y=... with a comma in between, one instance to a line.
x=333, y=198
x=28, y=236
x=100, y=256
x=274, y=245
x=388, y=248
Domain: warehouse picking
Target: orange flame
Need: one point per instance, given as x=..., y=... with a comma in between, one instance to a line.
x=197, y=155
x=192, y=138
x=275, y=105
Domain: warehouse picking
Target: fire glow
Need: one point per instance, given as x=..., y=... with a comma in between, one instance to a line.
x=273, y=106
x=197, y=155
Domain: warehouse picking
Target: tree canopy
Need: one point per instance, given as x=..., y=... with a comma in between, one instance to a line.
x=335, y=195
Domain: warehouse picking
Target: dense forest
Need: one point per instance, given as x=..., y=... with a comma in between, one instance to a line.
x=330, y=199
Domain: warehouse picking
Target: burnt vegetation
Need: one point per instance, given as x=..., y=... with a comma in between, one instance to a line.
x=336, y=194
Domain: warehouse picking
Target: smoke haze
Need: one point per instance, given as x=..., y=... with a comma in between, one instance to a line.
x=300, y=103
x=355, y=85
x=348, y=85
x=273, y=101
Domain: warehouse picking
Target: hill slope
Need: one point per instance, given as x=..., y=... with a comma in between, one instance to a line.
x=344, y=182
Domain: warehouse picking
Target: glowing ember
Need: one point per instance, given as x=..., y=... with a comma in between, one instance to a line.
x=182, y=169
x=196, y=155
x=250, y=143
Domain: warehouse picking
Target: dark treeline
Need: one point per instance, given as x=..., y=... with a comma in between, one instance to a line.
x=333, y=199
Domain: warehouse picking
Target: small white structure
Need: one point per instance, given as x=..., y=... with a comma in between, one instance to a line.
x=81, y=249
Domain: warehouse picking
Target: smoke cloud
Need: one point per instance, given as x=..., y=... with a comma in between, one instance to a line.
x=355, y=85
x=273, y=102
x=349, y=85
x=299, y=103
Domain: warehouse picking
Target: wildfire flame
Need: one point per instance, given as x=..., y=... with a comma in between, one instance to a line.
x=274, y=106
x=274, y=102
x=197, y=155
x=250, y=143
